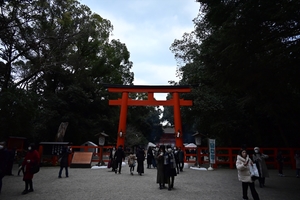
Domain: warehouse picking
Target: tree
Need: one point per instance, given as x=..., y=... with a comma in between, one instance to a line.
x=59, y=53
x=242, y=60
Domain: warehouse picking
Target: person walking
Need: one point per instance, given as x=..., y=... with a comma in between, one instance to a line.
x=131, y=162
x=140, y=156
x=112, y=159
x=149, y=157
x=3, y=164
x=154, y=152
x=180, y=159
x=119, y=158
x=176, y=156
x=160, y=177
x=280, y=160
x=64, y=161
x=297, y=158
x=242, y=165
x=32, y=158
x=170, y=167
x=259, y=160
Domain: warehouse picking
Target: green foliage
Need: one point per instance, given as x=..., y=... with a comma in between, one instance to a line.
x=242, y=60
x=55, y=56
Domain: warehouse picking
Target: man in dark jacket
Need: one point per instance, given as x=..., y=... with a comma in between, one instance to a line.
x=119, y=157
x=64, y=161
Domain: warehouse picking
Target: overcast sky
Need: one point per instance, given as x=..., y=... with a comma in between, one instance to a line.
x=148, y=28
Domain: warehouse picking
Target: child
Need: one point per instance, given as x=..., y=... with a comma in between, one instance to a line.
x=131, y=162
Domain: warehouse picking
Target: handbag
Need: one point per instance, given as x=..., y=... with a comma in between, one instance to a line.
x=35, y=168
x=59, y=160
x=109, y=164
x=253, y=171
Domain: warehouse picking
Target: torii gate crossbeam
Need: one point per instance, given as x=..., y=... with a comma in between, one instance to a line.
x=125, y=101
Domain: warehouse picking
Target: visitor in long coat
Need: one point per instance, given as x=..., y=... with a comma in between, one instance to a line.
x=170, y=167
x=160, y=177
x=259, y=159
x=112, y=159
x=140, y=156
x=32, y=158
x=149, y=157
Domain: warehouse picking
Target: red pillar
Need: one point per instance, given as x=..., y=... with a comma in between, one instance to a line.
x=177, y=121
x=123, y=117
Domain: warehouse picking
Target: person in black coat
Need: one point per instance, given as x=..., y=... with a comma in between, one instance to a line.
x=140, y=156
x=112, y=159
x=64, y=161
x=149, y=157
x=170, y=167
x=119, y=157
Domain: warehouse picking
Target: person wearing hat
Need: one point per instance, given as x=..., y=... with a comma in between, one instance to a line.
x=259, y=160
x=32, y=158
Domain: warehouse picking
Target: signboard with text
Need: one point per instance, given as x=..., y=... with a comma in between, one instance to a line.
x=212, y=153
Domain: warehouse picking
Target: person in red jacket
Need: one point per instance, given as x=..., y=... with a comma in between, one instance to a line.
x=32, y=158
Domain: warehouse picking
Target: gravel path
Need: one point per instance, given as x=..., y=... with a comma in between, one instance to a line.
x=85, y=183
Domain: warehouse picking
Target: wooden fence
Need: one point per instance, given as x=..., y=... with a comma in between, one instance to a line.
x=225, y=156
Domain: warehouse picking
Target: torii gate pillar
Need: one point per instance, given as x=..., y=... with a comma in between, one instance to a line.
x=150, y=90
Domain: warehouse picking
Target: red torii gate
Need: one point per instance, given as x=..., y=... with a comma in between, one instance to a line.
x=175, y=101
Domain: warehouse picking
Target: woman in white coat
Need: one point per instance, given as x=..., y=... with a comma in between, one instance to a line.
x=242, y=164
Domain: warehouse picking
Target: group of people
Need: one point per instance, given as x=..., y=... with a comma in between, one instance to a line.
x=31, y=160
x=244, y=164
x=29, y=165
x=169, y=162
x=117, y=156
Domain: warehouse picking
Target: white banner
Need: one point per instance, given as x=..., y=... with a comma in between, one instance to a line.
x=212, y=154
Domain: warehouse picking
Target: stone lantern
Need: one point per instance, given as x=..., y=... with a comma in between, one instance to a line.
x=101, y=138
x=197, y=137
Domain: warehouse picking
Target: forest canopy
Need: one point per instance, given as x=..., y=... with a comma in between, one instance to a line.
x=242, y=60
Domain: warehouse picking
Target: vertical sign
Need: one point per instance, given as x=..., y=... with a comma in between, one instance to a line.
x=212, y=144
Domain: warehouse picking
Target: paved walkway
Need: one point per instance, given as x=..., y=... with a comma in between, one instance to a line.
x=220, y=184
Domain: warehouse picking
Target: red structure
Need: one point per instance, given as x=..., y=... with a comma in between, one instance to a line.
x=168, y=137
x=125, y=101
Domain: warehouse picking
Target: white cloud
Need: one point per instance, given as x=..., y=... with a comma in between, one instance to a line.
x=148, y=28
